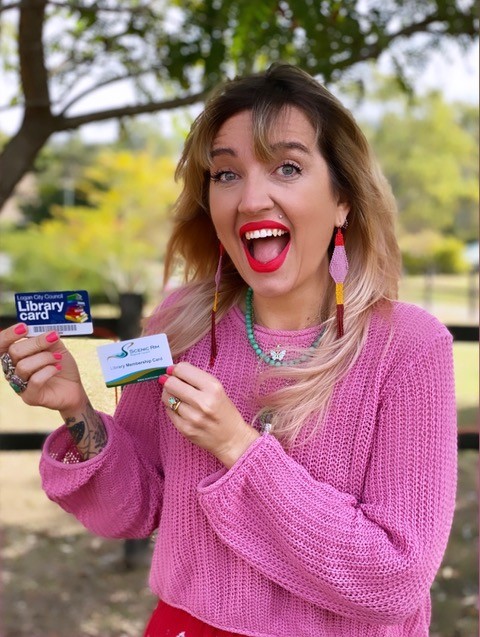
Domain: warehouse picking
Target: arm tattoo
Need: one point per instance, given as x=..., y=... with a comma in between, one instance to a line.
x=88, y=432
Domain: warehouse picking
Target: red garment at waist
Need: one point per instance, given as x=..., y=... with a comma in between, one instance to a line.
x=168, y=621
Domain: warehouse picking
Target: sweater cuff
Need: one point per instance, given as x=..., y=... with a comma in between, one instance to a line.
x=221, y=477
x=60, y=452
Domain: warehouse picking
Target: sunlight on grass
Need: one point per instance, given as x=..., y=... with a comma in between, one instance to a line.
x=16, y=416
x=466, y=373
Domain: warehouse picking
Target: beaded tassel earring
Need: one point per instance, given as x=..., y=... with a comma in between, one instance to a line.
x=338, y=270
x=213, y=339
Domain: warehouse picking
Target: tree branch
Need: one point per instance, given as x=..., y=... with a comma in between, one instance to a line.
x=98, y=8
x=102, y=84
x=372, y=52
x=81, y=7
x=66, y=123
x=7, y=7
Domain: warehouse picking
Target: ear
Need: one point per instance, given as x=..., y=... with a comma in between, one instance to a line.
x=343, y=208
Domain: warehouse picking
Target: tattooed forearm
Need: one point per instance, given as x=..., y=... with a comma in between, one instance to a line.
x=88, y=432
x=76, y=429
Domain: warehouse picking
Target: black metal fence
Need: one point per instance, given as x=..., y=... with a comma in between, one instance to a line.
x=127, y=325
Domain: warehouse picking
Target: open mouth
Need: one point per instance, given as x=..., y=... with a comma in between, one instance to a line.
x=266, y=244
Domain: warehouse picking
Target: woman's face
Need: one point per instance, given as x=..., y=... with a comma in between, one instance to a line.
x=275, y=219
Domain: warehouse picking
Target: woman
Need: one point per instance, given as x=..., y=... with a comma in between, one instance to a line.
x=299, y=459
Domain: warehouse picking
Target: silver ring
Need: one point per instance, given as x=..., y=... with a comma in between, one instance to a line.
x=17, y=384
x=8, y=367
x=174, y=403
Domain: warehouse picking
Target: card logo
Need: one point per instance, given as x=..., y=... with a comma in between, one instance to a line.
x=140, y=359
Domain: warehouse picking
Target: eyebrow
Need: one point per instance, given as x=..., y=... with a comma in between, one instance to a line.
x=274, y=147
x=290, y=146
x=222, y=151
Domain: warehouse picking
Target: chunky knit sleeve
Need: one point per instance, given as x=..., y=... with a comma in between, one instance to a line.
x=371, y=558
x=119, y=492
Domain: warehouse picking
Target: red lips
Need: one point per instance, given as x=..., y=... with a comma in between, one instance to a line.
x=259, y=225
x=274, y=264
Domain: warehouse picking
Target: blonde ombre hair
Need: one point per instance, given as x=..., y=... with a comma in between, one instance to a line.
x=373, y=254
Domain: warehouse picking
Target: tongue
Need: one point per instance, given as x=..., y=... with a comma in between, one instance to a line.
x=265, y=250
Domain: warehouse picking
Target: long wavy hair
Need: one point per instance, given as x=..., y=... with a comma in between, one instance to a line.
x=370, y=243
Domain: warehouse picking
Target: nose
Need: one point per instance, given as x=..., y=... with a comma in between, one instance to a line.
x=255, y=195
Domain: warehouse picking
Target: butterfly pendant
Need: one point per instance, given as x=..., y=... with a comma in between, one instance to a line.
x=277, y=354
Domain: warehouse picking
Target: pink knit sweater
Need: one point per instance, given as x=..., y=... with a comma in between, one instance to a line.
x=338, y=538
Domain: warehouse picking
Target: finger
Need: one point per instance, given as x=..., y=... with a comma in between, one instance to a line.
x=36, y=384
x=180, y=389
x=184, y=417
x=11, y=334
x=26, y=367
x=29, y=347
x=170, y=399
x=192, y=375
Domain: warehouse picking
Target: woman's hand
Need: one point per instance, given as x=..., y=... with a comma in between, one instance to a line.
x=205, y=415
x=47, y=367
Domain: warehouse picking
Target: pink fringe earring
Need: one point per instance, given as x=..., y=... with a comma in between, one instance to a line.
x=338, y=270
x=213, y=339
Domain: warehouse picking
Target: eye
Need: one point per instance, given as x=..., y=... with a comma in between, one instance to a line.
x=289, y=169
x=223, y=176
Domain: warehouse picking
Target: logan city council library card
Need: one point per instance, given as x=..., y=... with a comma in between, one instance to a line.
x=67, y=312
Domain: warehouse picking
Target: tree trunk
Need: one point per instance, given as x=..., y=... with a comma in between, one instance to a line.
x=38, y=122
x=19, y=154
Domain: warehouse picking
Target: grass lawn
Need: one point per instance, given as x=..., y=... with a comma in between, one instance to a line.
x=452, y=298
x=466, y=356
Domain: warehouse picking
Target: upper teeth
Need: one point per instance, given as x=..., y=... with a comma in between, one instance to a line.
x=264, y=232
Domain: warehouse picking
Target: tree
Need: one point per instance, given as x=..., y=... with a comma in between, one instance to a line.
x=428, y=150
x=59, y=168
x=108, y=246
x=60, y=165
x=175, y=52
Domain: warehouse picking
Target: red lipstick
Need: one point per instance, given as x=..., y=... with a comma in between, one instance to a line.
x=259, y=225
x=274, y=264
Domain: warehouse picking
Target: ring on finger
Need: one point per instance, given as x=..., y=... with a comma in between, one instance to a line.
x=8, y=367
x=17, y=384
x=174, y=403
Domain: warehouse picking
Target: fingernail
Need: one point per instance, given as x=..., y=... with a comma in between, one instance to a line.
x=170, y=369
x=52, y=337
x=58, y=366
x=57, y=356
x=20, y=329
x=163, y=379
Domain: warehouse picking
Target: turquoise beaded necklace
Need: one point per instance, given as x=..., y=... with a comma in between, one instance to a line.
x=275, y=356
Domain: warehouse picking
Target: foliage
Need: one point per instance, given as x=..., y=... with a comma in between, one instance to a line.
x=108, y=246
x=60, y=166
x=42, y=259
x=430, y=251
x=58, y=169
x=173, y=53
x=152, y=134
x=428, y=150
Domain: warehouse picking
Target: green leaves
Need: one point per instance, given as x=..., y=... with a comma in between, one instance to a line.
x=115, y=243
x=430, y=156
x=202, y=41
x=182, y=48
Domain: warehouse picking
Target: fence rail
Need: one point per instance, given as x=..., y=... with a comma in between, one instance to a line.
x=127, y=325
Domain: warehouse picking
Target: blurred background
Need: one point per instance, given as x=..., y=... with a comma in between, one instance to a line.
x=95, y=101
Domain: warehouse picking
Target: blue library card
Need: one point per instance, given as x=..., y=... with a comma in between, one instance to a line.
x=66, y=312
